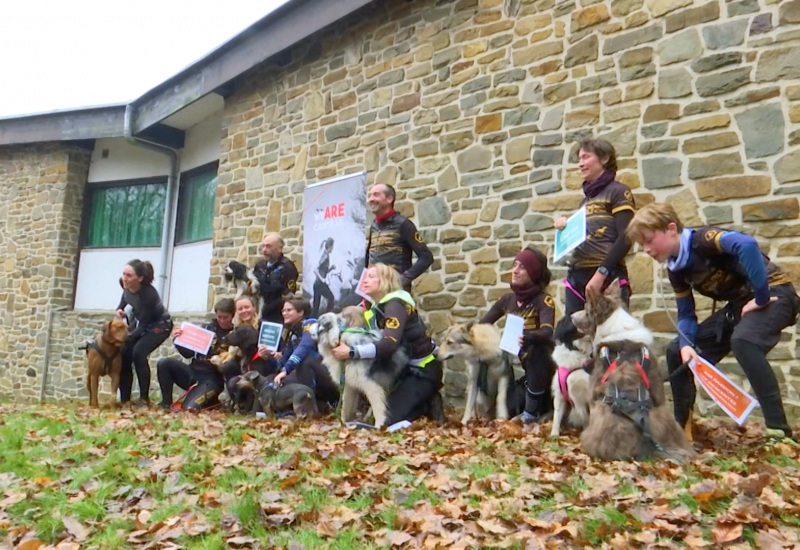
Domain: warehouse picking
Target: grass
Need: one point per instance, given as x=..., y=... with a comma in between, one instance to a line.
x=200, y=480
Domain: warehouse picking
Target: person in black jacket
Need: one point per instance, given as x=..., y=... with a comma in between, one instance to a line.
x=395, y=314
x=393, y=237
x=152, y=325
x=201, y=377
x=277, y=277
x=609, y=204
x=528, y=299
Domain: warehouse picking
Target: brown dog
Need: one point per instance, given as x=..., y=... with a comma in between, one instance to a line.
x=629, y=415
x=104, y=358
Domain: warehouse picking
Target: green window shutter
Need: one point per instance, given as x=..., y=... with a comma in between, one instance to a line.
x=196, y=207
x=128, y=215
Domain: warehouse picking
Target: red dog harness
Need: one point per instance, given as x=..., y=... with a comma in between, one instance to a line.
x=610, y=366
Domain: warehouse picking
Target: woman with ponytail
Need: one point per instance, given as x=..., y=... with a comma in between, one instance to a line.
x=528, y=299
x=151, y=327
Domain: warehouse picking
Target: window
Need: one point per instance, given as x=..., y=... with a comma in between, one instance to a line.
x=126, y=215
x=196, y=205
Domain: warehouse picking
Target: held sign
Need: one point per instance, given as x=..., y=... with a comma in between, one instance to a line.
x=729, y=396
x=573, y=234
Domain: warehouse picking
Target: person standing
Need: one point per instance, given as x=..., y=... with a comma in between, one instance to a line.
x=609, y=204
x=322, y=272
x=393, y=238
x=727, y=266
x=152, y=325
x=277, y=277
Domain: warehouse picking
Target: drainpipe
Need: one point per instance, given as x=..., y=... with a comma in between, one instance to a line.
x=167, y=233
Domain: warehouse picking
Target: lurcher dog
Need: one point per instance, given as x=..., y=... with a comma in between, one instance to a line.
x=276, y=400
x=490, y=375
x=104, y=358
x=368, y=376
x=629, y=416
x=571, y=386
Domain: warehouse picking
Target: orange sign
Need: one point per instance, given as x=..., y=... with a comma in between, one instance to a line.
x=729, y=396
x=195, y=338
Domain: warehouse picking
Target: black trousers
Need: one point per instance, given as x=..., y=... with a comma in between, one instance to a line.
x=412, y=396
x=537, y=361
x=135, y=353
x=174, y=372
x=578, y=277
x=750, y=338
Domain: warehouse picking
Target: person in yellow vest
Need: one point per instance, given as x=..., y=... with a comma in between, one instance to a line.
x=395, y=314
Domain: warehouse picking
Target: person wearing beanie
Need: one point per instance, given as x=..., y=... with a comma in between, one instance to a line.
x=528, y=299
x=609, y=204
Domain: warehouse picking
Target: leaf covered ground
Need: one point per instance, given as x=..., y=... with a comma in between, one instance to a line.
x=75, y=478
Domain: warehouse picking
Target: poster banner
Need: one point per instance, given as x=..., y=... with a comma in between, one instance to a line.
x=334, y=241
x=730, y=397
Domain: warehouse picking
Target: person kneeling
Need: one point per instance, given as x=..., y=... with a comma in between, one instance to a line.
x=200, y=377
x=298, y=358
x=416, y=391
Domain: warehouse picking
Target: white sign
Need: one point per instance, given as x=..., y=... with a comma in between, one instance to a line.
x=270, y=335
x=573, y=234
x=511, y=334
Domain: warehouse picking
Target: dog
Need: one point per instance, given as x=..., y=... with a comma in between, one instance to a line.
x=243, y=279
x=490, y=376
x=372, y=378
x=276, y=400
x=245, y=338
x=571, y=386
x=104, y=358
x=629, y=416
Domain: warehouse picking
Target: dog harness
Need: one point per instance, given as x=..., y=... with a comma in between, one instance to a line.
x=563, y=374
x=92, y=343
x=634, y=405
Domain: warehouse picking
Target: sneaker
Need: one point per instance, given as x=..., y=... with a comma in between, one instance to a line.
x=778, y=435
x=165, y=406
x=527, y=418
x=142, y=403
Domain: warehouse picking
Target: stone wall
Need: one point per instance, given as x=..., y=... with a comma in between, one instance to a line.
x=40, y=214
x=472, y=109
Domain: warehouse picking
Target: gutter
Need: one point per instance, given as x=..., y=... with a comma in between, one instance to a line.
x=167, y=232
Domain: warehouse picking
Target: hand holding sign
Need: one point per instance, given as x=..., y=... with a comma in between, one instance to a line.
x=731, y=398
x=194, y=338
x=512, y=334
x=270, y=335
x=572, y=234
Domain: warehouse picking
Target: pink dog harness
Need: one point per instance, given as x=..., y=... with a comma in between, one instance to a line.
x=563, y=373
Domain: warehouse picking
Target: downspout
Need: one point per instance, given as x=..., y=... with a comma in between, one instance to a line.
x=167, y=232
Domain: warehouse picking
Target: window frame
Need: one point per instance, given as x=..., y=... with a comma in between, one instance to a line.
x=91, y=187
x=182, y=189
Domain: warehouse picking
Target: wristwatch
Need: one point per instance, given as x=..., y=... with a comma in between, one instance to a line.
x=352, y=353
x=603, y=270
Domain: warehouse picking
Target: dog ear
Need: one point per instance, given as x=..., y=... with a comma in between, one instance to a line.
x=107, y=331
x=613, y=290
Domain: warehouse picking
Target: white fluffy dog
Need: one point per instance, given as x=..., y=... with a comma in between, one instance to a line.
x=367, y=376
x=571, y=389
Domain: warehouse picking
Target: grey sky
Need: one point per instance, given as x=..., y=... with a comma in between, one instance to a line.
x=60, y=55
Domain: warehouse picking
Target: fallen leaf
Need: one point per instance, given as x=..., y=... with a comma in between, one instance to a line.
x=398, y=538
x=75, y=528
x=726, y=532
x=30, y=544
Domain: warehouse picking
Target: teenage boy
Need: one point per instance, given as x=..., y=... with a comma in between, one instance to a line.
x=726, y=266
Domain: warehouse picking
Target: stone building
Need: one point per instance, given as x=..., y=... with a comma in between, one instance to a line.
x=471, y=108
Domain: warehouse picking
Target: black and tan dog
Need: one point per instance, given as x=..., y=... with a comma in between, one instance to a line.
x=104, y=358
x=629, y=416
x=245, y=338
x=274, y=401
